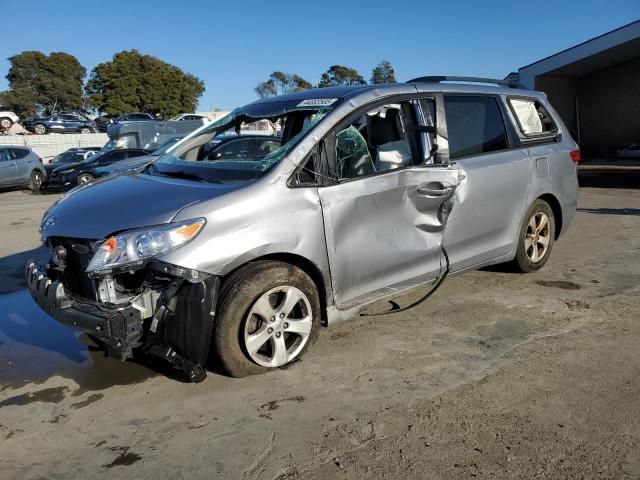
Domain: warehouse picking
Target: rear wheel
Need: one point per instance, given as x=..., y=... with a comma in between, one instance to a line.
x=40, y=129
x=269, y=314
x=5, y=122
x=536, y=239
x=85, y=130
x=85, y=178
x=36, y=181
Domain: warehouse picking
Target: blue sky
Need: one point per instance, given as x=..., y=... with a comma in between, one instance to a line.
x=234, y=45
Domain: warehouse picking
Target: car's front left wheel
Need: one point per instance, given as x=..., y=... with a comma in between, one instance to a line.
x=268, y=315
x=5, y=123
x=85, y=178
x=86, y=130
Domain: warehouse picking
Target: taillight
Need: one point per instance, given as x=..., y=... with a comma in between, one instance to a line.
x=575, y=156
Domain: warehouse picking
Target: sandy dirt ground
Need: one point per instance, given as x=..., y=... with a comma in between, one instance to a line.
x=498, y=375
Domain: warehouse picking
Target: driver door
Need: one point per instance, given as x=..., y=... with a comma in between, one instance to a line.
x=385, y=218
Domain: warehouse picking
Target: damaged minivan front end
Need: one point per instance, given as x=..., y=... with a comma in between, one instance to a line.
x=118, y=292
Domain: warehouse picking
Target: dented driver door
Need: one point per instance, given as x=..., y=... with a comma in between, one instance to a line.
x=384, y=232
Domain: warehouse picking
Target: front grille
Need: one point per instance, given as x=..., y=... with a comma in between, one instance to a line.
x=74, y=277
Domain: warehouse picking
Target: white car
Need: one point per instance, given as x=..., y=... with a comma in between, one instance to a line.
x=7, y=119
x=190, y=116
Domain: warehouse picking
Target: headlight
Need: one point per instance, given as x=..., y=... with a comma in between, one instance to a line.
x=132, y=247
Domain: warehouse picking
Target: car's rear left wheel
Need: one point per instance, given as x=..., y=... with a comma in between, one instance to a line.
x=269, y=314
x=85, y=130
x=40, y=129
x=537, y=235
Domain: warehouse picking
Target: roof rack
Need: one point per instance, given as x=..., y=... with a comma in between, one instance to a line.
x=447, y=78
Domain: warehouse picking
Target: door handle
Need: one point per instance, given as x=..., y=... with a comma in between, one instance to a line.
x=434, y=192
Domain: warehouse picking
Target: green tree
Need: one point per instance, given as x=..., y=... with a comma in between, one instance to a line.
x=383, y=73
x=280, y=83
x=266, y=89
x=340, y=75
x=136, y=82
x=43, y=84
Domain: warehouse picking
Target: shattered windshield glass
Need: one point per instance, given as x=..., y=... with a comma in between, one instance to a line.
x=243, y=145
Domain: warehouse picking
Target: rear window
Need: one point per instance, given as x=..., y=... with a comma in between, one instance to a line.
x=533, y=119
x=475, y=125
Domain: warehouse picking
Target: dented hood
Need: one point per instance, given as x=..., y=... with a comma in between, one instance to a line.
x=124, y=202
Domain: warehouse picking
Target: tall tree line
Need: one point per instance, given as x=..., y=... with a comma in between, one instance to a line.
x=42, y=84
x=336, y=75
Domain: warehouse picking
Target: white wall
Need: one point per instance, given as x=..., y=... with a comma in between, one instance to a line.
x=48, y=146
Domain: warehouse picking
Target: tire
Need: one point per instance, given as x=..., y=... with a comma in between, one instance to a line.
x=5, y=123
x=85, y=130
x=85, y=178
x=536, y=238
x=40, y=129
x=243, y=295
x=35, y=184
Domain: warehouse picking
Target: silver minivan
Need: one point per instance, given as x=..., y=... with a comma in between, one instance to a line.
x=374, y=191
x=20, y=167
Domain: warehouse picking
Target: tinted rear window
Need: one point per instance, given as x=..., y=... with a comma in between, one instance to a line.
x=475, y=125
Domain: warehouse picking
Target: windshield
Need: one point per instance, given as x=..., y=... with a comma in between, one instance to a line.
x=245, y=144
x=66, y=157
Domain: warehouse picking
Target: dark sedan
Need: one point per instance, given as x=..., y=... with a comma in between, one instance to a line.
x=60, y=123
x=73, y=155
x=73, y=174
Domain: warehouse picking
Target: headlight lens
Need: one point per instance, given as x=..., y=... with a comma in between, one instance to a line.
x=131, y=248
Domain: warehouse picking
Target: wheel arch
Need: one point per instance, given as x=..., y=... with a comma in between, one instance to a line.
x=304, y=264
x=556, y=208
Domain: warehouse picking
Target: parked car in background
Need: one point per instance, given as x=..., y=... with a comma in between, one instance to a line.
x=240, y=147
x=7, y=118
x=60, y=123
x=20, y=166
x=103, y=124
x=190, y=116
x=73, y=174
x=73, y=155
x=135, y=163
x=147, y=135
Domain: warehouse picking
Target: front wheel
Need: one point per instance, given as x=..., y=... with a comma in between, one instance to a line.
x=5, y=123
x=35, y=184
x=537, y=235
x=84, y=178
x=85, y=130
x=269, y=314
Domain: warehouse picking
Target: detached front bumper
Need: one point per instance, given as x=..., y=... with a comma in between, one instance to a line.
x=120, y=329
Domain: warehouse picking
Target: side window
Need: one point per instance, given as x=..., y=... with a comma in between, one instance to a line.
x=310, y=171
x=533, y=119
x=4, y=155
x=18, y=153
x=375, y=142
x=136, y=153
x=475, y=125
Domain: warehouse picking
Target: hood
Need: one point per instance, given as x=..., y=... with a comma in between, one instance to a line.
x=124, y=202
x=129, y=164
x=64, y=166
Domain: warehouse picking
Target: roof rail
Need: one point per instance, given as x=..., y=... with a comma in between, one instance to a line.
x=448, y=78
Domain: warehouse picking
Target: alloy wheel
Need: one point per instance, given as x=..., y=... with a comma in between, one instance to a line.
x=537, y=237
x=278, y=326
x=5, y=123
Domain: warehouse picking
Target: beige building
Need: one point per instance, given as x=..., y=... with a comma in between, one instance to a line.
x=595, y=87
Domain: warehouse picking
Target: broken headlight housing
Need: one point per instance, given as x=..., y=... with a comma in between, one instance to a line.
x=133, y=247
